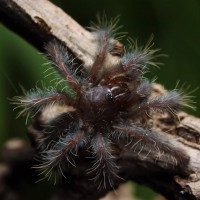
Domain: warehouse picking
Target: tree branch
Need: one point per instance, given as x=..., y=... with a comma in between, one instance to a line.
x=39, y=21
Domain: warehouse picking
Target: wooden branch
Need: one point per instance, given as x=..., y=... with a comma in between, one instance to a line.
x=39, y=21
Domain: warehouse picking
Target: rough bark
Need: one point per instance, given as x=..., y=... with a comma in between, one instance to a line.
x=39, y=21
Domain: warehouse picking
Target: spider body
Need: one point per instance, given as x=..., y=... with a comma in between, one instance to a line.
x=102, y=103
x=109, y=106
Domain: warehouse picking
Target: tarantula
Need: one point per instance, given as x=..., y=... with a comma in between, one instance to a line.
x=109, y=105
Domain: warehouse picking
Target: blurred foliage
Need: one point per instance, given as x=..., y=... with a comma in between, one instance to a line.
x=143, y=192
x=176, y=29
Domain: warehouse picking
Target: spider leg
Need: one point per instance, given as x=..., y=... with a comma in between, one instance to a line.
x=169, y=102
x=62, y=152
x=144, y=89
x=146, y=138
x=55, y=129
x=104, y=166
x=37, y=100
x=104, y=39
x=130, y=69
x=63, y=63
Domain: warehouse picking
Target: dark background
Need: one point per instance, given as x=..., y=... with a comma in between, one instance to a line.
x=175, y=25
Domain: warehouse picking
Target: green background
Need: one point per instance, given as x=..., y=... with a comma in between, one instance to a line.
x=175, y=25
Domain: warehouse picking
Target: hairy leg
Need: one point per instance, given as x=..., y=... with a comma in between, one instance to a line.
x=169, y=102
x=103, y=49
x=140, y=139
x=104, y=167
x=55, y=129
x=63, y=63
x=55, y=159
x=37, y=100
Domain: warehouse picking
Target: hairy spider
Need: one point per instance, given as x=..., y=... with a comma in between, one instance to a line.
x=109, y=104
